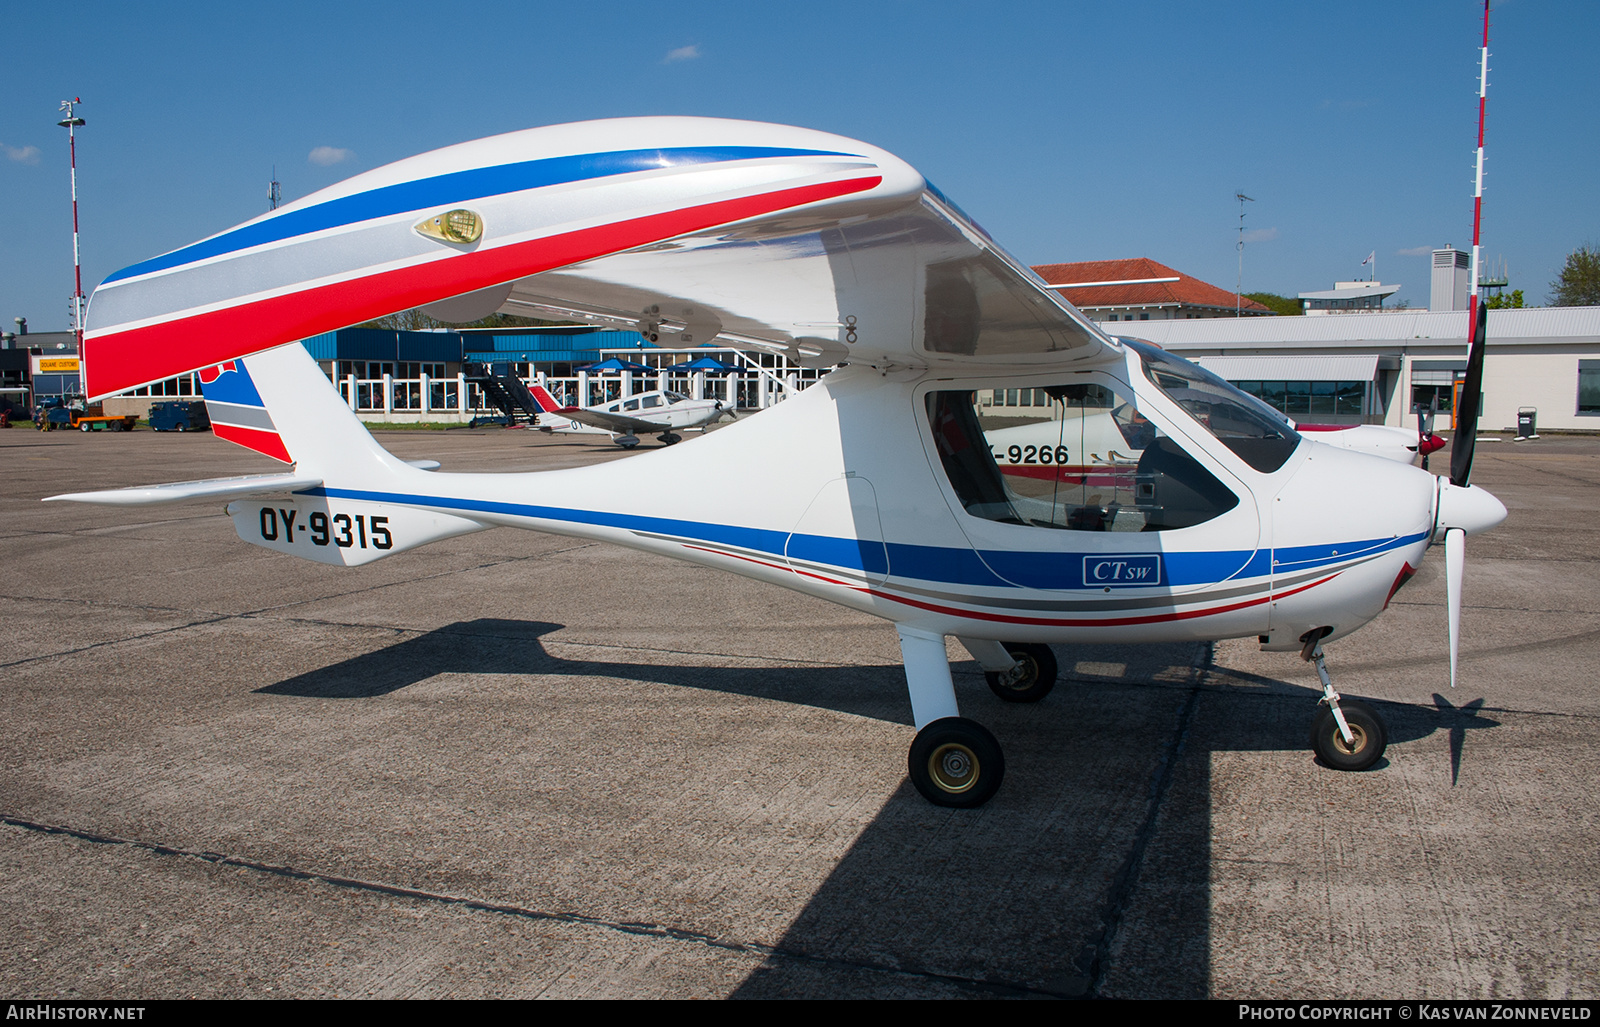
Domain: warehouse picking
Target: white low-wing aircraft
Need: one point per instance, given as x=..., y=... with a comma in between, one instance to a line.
x=1034, y=447
x=877, y=488
x=662, y=413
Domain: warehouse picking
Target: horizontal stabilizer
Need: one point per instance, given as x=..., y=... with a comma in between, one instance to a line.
x=182, y=491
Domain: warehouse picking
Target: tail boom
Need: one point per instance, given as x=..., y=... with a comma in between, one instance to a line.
x=344, y=532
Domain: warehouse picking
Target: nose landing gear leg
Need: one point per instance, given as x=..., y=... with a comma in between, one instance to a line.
x=953, y=761
x=1015, y=671
x=1345, y=734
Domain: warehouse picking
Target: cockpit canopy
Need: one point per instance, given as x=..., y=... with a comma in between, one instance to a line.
x=1260, y=435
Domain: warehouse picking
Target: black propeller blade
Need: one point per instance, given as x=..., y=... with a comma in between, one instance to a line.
x=1425, y=430
x=1467, y=416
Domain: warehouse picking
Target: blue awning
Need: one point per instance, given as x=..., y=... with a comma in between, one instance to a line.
x=614, y=364
x=710, y=365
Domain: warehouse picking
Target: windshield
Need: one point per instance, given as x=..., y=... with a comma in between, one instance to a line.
x=1258, y=434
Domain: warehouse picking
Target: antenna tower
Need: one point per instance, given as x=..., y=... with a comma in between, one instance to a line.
x=1477, y=196
x=274, y=190
x=1238, y=299
x=71, y=123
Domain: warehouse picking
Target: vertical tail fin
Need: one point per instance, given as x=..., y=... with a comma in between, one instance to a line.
x=237, y=411
x=279, y=402
x=548, y=403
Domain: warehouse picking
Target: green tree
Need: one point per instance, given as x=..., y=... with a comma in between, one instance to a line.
x=510, y=321
x=1285, y=305
x=1505, y=301
x=414, y=320
x=1578, y=285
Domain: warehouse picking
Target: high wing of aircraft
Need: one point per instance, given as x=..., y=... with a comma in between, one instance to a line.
x=887, y=487
x=661, y=413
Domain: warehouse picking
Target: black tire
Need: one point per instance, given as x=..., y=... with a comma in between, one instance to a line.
x=1039, y=673
x=1371, y=738
x=956, y=762
x=180, y=426
x=86, y=426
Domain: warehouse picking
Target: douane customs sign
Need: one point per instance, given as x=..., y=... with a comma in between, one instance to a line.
x=55, y=365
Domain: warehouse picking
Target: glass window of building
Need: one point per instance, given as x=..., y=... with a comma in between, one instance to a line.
x=1589, y=386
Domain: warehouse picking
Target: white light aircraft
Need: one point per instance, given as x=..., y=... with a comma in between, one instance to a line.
x=877, y=488
x=1031, y=447
x=662, y=413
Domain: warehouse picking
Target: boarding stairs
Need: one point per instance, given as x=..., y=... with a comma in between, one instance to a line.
x=503, y=390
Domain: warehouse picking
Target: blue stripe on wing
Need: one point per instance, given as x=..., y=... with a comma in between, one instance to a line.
x=456, y=187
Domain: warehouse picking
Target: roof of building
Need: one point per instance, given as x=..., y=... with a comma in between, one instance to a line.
x=1291, y=367
x=1353, y=292
x=1185, y=291
x=1515, y=327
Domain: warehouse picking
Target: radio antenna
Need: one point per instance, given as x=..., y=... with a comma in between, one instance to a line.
x=1238, y=301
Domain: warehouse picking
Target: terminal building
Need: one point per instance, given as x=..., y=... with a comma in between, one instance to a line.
x=1348, y=298
x=1370, y=365
x=1376, y=367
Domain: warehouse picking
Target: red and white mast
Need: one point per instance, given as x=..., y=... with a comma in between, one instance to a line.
x=1477, y=196
x=71, y=123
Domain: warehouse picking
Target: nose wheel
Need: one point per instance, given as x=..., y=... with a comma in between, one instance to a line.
x=1030, y=679
x=1345, y=734
x=1365, y=745
x=956, y=762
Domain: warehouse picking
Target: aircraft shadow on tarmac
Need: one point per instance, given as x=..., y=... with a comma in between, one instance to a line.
x=1087, y=875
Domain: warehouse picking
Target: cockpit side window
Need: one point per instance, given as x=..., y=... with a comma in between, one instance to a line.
x=968, y=458
x=1077, y=457
x=1258, y=434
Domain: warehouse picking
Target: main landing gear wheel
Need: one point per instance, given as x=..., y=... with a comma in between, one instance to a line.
x=1032, y=678
x=628, y=441
x=956, y=762
x=1369, y=737
x=669, y=438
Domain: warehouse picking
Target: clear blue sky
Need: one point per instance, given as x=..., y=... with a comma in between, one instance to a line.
x=1071, y=131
